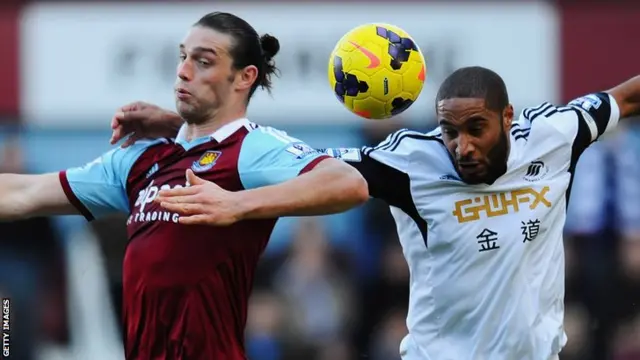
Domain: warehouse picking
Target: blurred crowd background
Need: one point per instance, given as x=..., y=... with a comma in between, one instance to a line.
x=328, y=288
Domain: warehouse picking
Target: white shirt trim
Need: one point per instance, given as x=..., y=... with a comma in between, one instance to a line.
x=222, y=133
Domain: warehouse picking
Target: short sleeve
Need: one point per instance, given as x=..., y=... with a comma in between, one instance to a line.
x=393, y=151
x=384, y=167
x=599, y=111
x=582, y=121
x=99, y=187
x=269, y=156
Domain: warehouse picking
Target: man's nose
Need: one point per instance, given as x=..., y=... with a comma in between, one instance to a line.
x=185, y=71
x=464, y=146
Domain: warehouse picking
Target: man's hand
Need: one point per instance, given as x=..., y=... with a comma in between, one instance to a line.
x=141, y=120
x=202, y=203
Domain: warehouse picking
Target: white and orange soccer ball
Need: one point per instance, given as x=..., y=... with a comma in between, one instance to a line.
x=377, y=71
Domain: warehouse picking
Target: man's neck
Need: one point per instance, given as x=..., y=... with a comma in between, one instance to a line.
x=212, y=124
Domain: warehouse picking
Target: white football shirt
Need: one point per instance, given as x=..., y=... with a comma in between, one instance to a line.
x=486, y=261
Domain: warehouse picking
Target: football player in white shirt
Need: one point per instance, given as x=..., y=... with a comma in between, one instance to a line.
x=480, y=205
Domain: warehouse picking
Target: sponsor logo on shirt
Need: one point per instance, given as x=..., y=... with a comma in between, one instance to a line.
x=500, y=204
x=144, y=211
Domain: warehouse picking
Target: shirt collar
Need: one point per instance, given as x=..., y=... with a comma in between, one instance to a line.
x=219, y=135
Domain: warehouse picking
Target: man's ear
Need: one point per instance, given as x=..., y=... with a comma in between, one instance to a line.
x=507, y=117
x=245, y=78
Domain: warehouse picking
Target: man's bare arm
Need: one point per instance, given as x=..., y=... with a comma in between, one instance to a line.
x=627, y=96
x=331, y=187
x=23, y=196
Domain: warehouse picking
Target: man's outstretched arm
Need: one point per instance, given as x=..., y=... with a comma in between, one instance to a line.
x=92, y=190
x=331, y=187
x=627, y=95
x=24, y=196
x=281, y=176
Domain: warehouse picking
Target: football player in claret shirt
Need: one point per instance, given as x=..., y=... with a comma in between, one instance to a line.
x=480, y=205
x=186, y=287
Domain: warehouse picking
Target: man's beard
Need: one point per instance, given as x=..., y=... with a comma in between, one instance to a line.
x=497, y=161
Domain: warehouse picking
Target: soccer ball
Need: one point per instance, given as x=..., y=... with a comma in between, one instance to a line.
x=377, y=71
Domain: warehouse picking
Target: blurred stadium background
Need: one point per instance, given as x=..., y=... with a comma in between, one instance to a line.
x=328, y=288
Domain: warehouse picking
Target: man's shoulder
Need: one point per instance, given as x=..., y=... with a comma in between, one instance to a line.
x=269, y=133
x=544, y=122
x=405, y=142
x=422, y=156
x=149, y=155
x=266, y=139
x=118, y=161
